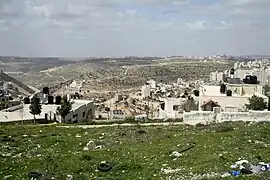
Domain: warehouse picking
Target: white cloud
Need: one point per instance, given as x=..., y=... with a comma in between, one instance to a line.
x=78, y=10
x=45, y=10
x=199, y=25
x=204, y=25
x=131, y=12
x=226, y=24
x=149, y=2
x=3, y=26
x=132, y=26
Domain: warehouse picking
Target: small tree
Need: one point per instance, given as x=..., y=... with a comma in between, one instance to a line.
x=3, y=105
x=64, y=109
x=256, y=103
x=267, y=90
x=35, y=107
x=190, y=105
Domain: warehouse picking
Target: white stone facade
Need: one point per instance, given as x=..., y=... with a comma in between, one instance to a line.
x=171, y=108
x=238, y=100
x=206, y=117
x=146, y=91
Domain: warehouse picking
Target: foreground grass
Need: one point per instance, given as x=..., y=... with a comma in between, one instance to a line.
x=58, y=152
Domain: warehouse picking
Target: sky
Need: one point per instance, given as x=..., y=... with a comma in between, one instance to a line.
x=88, y=28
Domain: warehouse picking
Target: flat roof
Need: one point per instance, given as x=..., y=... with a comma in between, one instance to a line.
x=24, y=114
x=215, y=91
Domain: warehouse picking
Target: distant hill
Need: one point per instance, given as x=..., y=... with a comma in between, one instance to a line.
x=24, y=89
x=26, y=64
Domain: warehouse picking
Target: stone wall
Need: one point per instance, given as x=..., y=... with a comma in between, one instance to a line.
x=207, y=117
x=196, y=117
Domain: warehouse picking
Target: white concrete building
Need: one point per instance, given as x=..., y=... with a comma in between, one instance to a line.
x=262, y=74
x=82, y=110
x=217, y=76
x=210, y=97
x=152, y=84
x=75, y=85
x=220, y=76
x=236, y=65
x=213, y=76
x=171, y=108
x=146, y=91
x=7, y=85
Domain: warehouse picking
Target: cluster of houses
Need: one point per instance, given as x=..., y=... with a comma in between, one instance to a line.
x=229, y=94
x=19, y=111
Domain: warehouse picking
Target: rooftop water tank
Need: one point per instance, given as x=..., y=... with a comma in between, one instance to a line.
x=196, y=92
x=58, y=100
x=45, y=90
x=50, y=99
x=229, y=93
x=222, y=88
x=232, y=71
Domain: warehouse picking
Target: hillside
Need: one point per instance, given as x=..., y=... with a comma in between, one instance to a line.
x=133, y=152
x=121, y=75
x=24, y=89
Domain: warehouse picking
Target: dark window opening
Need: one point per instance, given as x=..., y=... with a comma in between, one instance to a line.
x=175, y=107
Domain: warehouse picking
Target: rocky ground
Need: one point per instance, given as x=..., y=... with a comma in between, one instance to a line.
x=136, y=152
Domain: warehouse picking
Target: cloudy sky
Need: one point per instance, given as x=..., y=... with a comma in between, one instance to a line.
x=83, y=28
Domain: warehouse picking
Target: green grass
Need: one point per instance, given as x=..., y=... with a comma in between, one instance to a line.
x=57, y=152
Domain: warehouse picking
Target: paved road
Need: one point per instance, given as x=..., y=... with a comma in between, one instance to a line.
x=125, y=124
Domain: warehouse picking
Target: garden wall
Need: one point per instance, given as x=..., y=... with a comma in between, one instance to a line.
x=206, y=117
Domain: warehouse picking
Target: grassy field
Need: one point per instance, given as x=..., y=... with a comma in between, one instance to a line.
x=134, y=152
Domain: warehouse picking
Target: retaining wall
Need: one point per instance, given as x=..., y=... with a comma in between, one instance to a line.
x=206, y=117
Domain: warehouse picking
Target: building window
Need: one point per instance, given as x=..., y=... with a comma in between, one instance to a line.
x=175, y=107
x=83, y=114
x=162, y=106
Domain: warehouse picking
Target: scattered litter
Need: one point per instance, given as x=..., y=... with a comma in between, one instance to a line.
x=98, y=147
x=69, y=177
x=265, y=167
x=176, y=154
x=179, y=154
x=188, y=148
x=244, y=168
x=245, y=171
x=241, y=162
x=226, y=174
x=235, y=173
x=78, y=136
x=169, y=170
x=104, y=167
x=91, y=145
x=256, y=169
